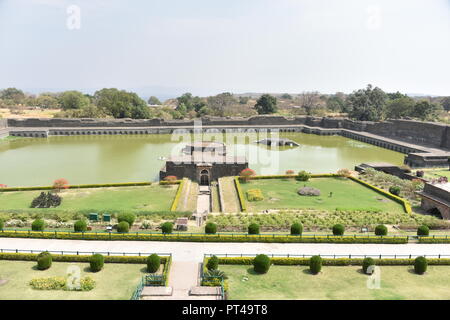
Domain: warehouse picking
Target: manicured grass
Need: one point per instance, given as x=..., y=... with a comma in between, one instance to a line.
x=231, y=201
x=347, y=195
x=148, y=198
x=434, y=174
x=334, y=283
x=113, y=282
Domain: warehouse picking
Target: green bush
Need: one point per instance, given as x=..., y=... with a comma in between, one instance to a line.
x=167, y=227
x=126, y=216
x=367, y=262
x=2, y=224
x=211, y=228
x=423, y=231
x=315, y=264
x=395, y=190
x=381, y=230
x=123, y=227
x=44, y=260
x=420, y=265
x=153, y=263
x=303, y=176
x=253, y=228
x=96, y=262
x=213, y=263
x=38, y=225
x=254, y=195
x=261, y=263
x=338, y=230
x=296, y=229
x=80, y=226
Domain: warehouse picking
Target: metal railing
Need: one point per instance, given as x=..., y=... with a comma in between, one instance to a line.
x=335, y=256
x=63, y=252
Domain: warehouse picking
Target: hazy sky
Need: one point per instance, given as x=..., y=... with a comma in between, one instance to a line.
x=212, y=46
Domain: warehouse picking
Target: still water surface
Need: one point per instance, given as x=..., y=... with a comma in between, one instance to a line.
x=131, y=158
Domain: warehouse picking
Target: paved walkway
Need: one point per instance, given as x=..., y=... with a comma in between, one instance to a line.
x=194, y=251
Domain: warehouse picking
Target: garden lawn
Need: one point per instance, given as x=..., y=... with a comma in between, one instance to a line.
x=113, y=282
x=147, y=198
x=347, y=195
x=335, y=283
x=434, y=174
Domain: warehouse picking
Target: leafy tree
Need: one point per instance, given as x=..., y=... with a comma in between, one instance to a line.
x=400, y=107
x=16, y=96
x=121, y=104
x=396, y=95
x=73, y=100
x=446, y=103
x=191, y=102
x=309, y=101
x=425, y=110
x=59, y=184
x=219, y=103
x=336, y=103
x=367, y=104
x=286, y=96
x=244, y=100
x=47, y=100
x=154, y=101
x=266, y=104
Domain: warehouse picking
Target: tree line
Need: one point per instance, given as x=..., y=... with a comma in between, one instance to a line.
x=367, y=104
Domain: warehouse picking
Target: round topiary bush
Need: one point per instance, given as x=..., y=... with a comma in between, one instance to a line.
x=315, y=264
x=367, y=262
x=338, y=230
x=153, y=263
x=381, y=230
x=123, y=227
x=420, y=265
x=80, y=226
x=2, y=224
x=44, y=260
x=211, y=228
x=167, y=227
x=128, y=217
x=303, y=176
x=253, y=228
x=261, y=263
x=213, y=263
x=296, y=229
x=38, y=225
x=395, y=190
x=423, y=231
x=96, y=262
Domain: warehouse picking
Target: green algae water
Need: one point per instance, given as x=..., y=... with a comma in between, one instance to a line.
x=132, y=158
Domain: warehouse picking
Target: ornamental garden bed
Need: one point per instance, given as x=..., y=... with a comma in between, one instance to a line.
x=335, y=193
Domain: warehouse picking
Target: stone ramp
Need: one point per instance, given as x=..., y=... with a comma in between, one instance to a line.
x=230, y=203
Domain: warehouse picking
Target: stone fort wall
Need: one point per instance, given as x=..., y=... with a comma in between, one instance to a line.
x=423, y=133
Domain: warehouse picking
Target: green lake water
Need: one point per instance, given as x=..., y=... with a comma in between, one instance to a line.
x=131, y=158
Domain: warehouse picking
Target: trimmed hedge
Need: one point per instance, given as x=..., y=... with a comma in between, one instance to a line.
x=38, y=225
x=211, y=228
x=123, y=227
x=44, y=260
x=203, y=237
x=367, y=262
x=80, y=226
x=395, y=190
x=167, y=227
x=423, y=231
x=297, y=229
x=420, y=265
x=177, y=195
x=2, y=224
x=240, y=194
x=338, y=229
x=315, y=264
x=153, y=263
x=381, y=230
x=253, y=228
x=96, y=262
x=261, y=263
x=212, y=263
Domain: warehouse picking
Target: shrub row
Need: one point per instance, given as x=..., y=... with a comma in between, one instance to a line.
x=166, y=183
x=81, y=186
x=291, y=176
x=240, y=194
x=203, y=237
x=177, y=196
x=327, y=261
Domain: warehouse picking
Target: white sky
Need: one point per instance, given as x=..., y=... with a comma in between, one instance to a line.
x=212, y=46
